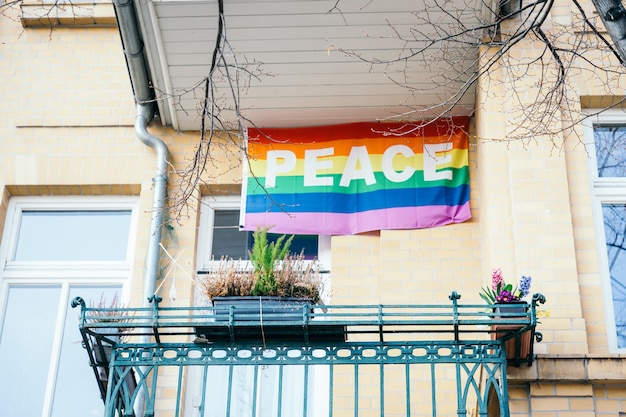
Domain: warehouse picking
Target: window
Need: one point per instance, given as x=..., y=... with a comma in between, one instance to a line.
x=255, y=391
x=220, y=236
x=609, y=190
x=72, y=235
x=55, y=249
x=252, y=390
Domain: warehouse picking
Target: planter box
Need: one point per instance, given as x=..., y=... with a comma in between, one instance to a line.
x=519, y=347
x=102, y=350
x=267, y=318
x=514, y=309
x=262, y=309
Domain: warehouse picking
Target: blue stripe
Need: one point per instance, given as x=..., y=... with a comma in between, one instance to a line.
x=353, y=203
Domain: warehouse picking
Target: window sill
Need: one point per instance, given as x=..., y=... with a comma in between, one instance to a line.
x=77, y=14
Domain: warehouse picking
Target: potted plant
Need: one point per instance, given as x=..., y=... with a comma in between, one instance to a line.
x=505, y=296
x=104, y=320
x=508, y=304
x=273, y=276
x=274, y=286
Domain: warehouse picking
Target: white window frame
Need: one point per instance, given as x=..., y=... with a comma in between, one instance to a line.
x=604, y=191
x=209, y=205
x=63, y=273
x=205, y=234
x=64, y=268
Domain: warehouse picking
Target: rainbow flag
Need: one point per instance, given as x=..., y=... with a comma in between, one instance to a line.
x=359, y=177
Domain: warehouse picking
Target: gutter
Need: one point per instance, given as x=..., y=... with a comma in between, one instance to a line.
x=132, y=44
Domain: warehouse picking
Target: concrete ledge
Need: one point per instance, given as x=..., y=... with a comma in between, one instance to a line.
x=72, y=189
x=37, y=13
x=571, y=368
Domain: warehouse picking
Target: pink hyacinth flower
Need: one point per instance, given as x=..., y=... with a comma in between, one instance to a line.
x=496, y=278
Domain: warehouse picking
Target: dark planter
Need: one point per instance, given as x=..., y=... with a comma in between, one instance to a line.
x=513, y=309
x=518, y=348
x=261, y=309
x=250, y=318
x=102, y=349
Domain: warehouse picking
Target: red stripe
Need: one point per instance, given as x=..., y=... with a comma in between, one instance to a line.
x=442, y=128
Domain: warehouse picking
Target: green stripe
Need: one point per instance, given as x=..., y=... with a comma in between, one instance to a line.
x=291, y=184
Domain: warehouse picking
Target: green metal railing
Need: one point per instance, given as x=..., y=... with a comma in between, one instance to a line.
x=349, y=360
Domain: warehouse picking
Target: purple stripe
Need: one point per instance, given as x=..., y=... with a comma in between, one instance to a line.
x=345, y=224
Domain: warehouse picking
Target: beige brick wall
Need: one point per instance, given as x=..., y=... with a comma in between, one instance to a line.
x=567, y=399
x=530, y=206
x=610, y=399
x=538, y=194
x=410, y=266
x=68, y=77
x=587, y=262
x=67, y=129
x=527, y=188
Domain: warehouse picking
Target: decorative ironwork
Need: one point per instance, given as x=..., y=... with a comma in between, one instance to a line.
x=404, y=350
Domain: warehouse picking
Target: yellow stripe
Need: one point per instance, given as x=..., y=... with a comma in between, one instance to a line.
x=459, y=159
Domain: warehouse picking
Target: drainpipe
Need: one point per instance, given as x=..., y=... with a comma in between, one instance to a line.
x=144, y=114
x=138, y=70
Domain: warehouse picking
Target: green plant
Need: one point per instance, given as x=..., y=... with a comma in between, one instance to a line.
x=272, y=271
x=112, y=312
x=265, y=257
x=501, y=292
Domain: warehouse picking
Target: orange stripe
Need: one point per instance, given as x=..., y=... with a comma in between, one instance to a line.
x=375, y=146
x=442, y=129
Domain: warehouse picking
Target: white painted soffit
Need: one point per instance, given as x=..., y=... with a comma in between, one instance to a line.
x=296, y=49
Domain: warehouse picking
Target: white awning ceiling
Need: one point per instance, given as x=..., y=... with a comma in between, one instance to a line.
x=296, y=50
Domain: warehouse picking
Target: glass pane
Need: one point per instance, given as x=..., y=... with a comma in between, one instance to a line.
x=271, y=392
x=305, y=244
x=615, y=231
x=26, y=340
x=238, y=398
x=73, y=236
x=610, y=150
x=229, y=241
x=76, y=393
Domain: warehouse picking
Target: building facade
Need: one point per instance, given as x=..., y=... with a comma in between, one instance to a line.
x=78, y=208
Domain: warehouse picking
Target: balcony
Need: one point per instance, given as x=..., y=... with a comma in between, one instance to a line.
x=356, y=360
x=305, y=63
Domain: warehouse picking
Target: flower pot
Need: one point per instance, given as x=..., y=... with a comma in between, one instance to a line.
x=261, y=309
x=102, y=349
x=253, y=318
x=518, y=346
x=513, y=309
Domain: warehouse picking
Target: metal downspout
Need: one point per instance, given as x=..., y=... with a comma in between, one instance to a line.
x=138, y=70
x=144, y=114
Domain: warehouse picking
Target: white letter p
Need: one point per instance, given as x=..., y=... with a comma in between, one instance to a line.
x=278, y=162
